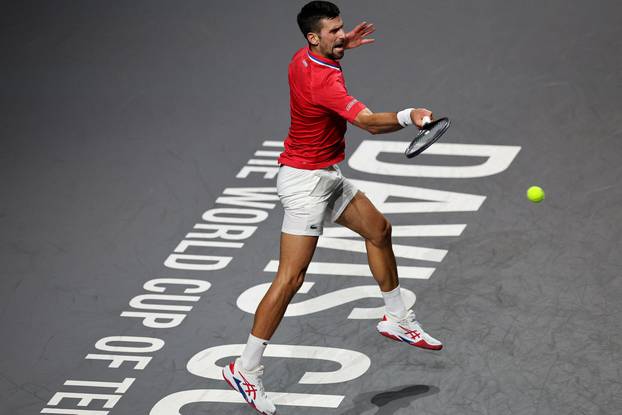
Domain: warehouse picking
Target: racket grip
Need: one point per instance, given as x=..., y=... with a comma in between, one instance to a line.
x=426, y=120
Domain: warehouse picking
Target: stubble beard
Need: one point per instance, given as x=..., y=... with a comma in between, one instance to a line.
x=335, y=55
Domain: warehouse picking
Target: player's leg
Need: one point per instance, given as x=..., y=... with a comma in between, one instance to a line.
x=399, y=324
x=302, y=221
x=245, y=374
x=295, y=256
x=362, y=217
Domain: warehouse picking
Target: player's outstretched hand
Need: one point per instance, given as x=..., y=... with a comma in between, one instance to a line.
x=357, y=36
x=417, y=116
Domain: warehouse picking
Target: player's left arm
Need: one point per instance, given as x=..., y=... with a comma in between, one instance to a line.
x=358, y=36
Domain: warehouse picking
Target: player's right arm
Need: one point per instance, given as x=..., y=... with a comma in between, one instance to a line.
x=332, y=94
x=387, y=122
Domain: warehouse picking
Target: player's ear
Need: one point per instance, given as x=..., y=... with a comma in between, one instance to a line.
x=313, y=38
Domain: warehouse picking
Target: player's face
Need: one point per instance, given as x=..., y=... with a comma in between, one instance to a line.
x=332, y=38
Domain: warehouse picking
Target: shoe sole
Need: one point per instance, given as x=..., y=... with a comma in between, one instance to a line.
x=399, y=339
x=252, y=405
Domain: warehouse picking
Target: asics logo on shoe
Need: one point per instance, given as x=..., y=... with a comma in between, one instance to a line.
x=250, y=388
x=414, y=334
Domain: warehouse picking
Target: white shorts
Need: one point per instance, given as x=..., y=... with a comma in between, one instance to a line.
x=310, y=197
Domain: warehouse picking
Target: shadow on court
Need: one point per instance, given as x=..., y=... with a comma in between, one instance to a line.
x=389, y=402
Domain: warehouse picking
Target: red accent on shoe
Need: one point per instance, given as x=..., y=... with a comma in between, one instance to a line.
x=390, y=336
x=425, y=345
x=413, y=334
x=227, y=380
x=250, y=388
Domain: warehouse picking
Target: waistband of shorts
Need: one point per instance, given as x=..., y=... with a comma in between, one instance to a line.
x=333, y=167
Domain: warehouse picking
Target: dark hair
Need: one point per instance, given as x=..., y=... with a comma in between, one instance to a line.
x=314, y=11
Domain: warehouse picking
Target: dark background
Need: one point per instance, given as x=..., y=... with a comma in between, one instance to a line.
x=122, y=122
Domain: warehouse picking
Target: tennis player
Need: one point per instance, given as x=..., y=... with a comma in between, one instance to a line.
x=312, y=189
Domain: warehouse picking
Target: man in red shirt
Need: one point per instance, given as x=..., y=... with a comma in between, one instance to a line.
x=312, y=190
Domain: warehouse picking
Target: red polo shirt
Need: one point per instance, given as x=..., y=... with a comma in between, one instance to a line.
x=319, y=106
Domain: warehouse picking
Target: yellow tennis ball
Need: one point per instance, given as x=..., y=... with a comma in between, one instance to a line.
x=535, y=194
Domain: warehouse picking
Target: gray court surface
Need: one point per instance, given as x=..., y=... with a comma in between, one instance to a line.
x=124, y=122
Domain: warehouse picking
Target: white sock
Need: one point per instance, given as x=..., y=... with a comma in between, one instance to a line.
x=251, y=356
x=394, y=304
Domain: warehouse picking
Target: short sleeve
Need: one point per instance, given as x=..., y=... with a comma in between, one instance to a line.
x=333, y=96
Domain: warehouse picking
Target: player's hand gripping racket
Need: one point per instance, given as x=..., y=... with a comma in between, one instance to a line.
x=427, y=135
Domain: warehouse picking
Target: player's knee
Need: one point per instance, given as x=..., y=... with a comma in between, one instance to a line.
x=293, y=280
x=382, y=234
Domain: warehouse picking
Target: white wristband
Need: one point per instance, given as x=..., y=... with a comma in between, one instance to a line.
x=403, y=117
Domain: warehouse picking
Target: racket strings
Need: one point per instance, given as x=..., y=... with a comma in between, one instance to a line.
x=427, y=136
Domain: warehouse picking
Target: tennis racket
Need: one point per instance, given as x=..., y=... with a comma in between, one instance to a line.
x=427, y=135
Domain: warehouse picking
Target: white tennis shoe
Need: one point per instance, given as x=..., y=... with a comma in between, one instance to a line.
x=249, y=385
x=407, y=330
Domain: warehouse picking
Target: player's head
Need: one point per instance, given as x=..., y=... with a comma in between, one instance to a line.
x=321, y=25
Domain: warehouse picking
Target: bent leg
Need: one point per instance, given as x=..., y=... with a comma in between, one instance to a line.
x=362, y=217
x=295, y=256
x=398, y=323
